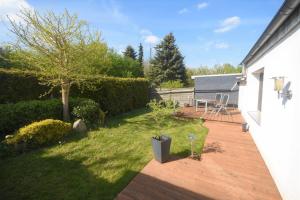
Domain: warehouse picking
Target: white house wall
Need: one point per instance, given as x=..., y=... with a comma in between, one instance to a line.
x=278, y=135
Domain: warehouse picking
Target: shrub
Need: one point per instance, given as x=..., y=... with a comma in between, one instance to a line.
x=114, y=95
x=14, y=116
x=160, y=110
x=172, y=84
x=89, y=111
x=39, y=133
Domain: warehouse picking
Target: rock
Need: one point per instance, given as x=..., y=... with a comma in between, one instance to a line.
x=79, y=126
x=9, y=136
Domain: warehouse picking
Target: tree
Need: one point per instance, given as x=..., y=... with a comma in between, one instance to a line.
x=130, y=52
x=59, y=47
x=167, y=63
x=141, y=55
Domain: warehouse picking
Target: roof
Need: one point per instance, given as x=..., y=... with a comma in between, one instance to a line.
x=221, y=82
x=212, y=75
x=281, y=16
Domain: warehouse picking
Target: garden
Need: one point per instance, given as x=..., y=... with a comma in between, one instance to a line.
x=76, y=120
x=94, y=164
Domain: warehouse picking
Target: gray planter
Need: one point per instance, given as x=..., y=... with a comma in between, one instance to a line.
x=161, y=148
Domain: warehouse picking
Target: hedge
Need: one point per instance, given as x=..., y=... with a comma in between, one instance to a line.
x=114, y=95
x=15, y=116
x=19, y=86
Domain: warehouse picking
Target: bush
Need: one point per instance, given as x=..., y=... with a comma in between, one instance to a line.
x=114, y=95
x=89, y=111
x=39, y=133
x=15, y=116
x=160, y=110
x=172, y=84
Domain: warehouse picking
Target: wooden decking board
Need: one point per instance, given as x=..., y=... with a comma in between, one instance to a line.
x=237, y=172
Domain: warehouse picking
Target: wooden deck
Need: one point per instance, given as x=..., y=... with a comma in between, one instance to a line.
x=231, y=168
x=234, y=117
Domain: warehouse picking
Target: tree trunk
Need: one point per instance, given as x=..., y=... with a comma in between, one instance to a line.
x=65, y=90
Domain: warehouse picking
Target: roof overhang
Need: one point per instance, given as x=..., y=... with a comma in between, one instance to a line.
x=212, y=75
x=283, y=13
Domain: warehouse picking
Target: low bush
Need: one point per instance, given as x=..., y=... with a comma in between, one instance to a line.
x=15, y=116
x=39, y=133
x=89, y=111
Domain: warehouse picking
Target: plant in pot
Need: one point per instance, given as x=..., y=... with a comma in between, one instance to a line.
x=160, y=143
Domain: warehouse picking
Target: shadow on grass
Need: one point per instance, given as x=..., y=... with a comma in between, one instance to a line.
x=39, y=177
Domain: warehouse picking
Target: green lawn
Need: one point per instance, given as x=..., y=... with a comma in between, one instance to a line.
x=95, y=165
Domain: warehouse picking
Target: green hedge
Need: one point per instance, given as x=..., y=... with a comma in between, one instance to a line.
x=19, y=86
x=114, y=95
x=15, y=116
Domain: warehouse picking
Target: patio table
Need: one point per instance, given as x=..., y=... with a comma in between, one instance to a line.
x=206, y=101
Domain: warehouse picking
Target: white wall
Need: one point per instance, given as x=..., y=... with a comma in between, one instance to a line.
x=278, y=135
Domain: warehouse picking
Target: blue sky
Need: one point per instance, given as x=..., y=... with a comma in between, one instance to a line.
x=207, y=32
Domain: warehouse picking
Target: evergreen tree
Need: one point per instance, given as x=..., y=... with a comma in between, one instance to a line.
x=167, y=63
x=130, y=52
x=141, y=55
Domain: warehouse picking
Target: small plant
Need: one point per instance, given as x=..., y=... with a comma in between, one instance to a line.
x=161, y=110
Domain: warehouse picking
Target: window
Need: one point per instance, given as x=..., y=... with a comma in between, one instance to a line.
x=256, y=115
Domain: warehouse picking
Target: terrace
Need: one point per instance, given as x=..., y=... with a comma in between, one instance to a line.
x=230, y=168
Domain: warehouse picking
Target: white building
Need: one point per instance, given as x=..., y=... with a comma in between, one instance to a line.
x=273, y=116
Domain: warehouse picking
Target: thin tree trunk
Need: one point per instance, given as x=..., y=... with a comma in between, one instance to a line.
x=65, y=90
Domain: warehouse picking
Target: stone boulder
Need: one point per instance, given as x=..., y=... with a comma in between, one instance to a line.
x=79, y=126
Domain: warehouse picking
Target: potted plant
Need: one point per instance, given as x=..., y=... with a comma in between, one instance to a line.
x=161, y=148
x=161, y=143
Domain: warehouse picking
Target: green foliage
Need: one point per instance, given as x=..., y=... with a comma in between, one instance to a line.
x=167, y=63
x=172, y=84
x=5, y=54
x=217, y=69
x=101, y=165
x=39, y=133
x=19, y=86
x=130, y=52
x=121, y=66
x=114, y=95
x=14, y=116
x=160, y=110
x=89, y=111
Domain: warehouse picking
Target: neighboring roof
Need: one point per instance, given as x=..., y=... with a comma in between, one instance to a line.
x=212, y=75
x=281, y=16
x=221, y=82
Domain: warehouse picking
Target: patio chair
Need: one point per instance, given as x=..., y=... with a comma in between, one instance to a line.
x=218, y=98
x=222, y=106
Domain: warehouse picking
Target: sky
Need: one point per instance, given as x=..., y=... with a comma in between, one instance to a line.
x=207, y=32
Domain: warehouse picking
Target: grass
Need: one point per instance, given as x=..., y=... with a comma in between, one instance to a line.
x=95, y=165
